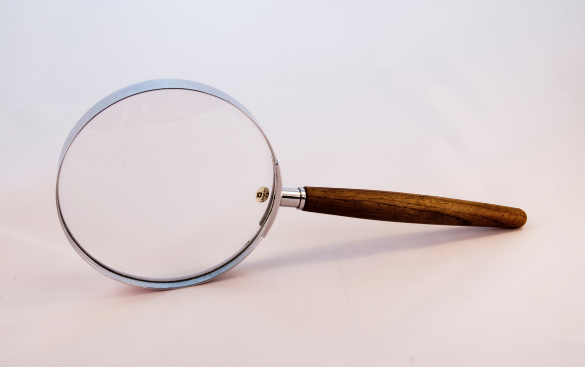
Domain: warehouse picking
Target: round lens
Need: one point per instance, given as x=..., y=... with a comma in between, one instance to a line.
x=166, y=184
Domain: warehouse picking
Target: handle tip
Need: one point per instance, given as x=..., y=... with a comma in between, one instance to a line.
x=521, y=220
x=512, y=217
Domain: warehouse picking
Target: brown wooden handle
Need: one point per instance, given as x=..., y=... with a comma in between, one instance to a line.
x=412, y=208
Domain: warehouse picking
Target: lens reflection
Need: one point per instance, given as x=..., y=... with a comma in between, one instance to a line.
x=162, y=185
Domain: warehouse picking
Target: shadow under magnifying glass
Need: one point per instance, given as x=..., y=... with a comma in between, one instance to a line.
x=350, y=250
x=366, y=248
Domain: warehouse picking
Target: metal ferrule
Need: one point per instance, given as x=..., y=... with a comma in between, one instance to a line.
x=293, y=197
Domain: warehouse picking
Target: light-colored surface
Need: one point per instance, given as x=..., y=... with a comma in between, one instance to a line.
x=478, y=101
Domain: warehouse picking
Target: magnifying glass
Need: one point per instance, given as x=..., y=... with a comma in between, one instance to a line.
x=170, y=183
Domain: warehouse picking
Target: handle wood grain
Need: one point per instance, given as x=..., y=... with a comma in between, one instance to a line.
x=412, y=208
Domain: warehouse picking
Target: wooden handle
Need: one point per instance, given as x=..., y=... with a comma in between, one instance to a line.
x=412, y=208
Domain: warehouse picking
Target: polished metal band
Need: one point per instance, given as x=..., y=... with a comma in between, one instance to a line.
x=293, y=197
x=170, y=283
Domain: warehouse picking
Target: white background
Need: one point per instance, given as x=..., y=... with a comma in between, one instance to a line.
x=481, y=101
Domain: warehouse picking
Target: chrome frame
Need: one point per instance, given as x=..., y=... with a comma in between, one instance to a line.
x=266, y=222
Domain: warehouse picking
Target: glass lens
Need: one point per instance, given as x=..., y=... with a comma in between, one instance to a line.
x=162, y=184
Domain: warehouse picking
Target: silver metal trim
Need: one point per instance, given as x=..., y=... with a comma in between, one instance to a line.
x=188, y=280
x=303, y=198
x=293, y=197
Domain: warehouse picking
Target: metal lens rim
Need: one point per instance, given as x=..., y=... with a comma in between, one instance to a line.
x=160, y=283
